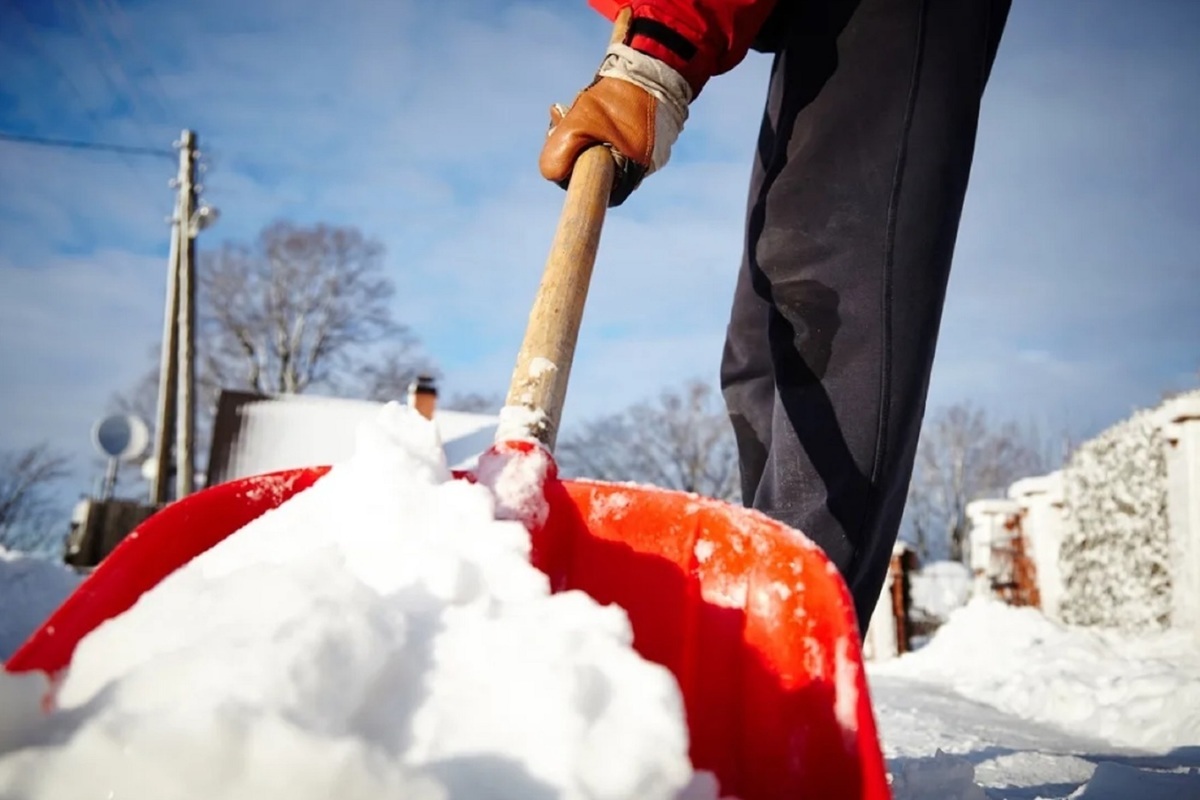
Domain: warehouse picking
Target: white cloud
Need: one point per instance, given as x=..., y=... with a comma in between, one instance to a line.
x=59, y=200
x=75, y=330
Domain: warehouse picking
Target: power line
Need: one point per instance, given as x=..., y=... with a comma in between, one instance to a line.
x=78, y=145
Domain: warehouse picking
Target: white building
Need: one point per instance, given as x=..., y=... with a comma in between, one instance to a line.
x=254, y=434
x=1041, y=507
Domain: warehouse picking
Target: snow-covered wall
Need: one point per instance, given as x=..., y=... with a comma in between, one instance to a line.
x=939, y=588
x=1115, y=534
x=30, y=589
x=1042, y=525
x=990, y=529
x=1115, y=555
x=1180, y=424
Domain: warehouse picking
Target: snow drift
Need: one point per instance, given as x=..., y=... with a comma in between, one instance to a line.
x=1137, y=691
x=940, y=587
x=33, y=587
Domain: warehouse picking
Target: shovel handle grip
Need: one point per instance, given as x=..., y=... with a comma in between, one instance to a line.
x=539, y=380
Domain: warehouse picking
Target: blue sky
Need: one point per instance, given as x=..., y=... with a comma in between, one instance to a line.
x=1075, y=296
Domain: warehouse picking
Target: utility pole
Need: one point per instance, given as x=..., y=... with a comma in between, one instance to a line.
x=186, y=424
x=176, y=412
x=168, y=371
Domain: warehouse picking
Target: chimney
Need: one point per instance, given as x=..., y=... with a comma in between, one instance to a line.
x=422, y=395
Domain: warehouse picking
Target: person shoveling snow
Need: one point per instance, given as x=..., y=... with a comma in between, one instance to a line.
x=378, y=635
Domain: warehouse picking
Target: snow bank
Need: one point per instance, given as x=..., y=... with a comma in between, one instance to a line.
x=30, y=588
x=940, y=587
x=1115, y=553
x=379, y=635
x=1137, y=691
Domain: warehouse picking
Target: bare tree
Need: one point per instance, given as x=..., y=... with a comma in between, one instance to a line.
x=301, y=308
x=28, y=509
x=964, y=456
x=474, y=402
x=684, y=441
x=293, y=310
x=141, y=400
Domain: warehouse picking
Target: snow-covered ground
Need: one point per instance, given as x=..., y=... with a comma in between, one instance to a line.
x=30, y=588
x=383, y=683
x=1026, y=708
x=940, y=587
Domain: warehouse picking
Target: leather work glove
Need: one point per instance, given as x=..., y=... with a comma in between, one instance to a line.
x=636, y=106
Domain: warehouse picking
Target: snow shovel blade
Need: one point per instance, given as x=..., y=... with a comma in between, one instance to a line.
x=750, y=617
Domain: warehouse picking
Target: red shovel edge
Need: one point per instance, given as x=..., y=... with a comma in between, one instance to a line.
x=752, y=619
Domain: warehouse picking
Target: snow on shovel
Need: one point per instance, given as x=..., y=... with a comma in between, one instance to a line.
x=749, y=615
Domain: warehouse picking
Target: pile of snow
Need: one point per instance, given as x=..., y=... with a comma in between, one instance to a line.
x=30, y=589
x=1115, y=553
x=940, y=587
x=381, y=634
x=1137, y=691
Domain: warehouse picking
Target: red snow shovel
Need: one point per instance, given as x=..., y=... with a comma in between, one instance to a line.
x=751, y=617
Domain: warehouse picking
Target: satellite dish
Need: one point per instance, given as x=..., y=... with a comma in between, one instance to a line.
x=121, y=436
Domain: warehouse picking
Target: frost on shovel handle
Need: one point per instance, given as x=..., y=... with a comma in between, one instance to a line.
x=524, y=417
x=520, y=423
x=541, y=366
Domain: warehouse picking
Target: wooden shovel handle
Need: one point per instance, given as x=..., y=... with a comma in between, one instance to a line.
x=539, y=380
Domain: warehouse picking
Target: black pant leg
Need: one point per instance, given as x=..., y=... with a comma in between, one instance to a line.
x=863, y=163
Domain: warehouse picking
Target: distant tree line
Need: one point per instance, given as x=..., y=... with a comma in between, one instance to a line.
x=28, y=509
x=682, y=440
x=964, y=454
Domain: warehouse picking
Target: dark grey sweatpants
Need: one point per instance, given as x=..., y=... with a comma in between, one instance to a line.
x=855, y=198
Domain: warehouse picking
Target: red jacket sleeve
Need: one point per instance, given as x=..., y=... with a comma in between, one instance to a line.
x=698, y=38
